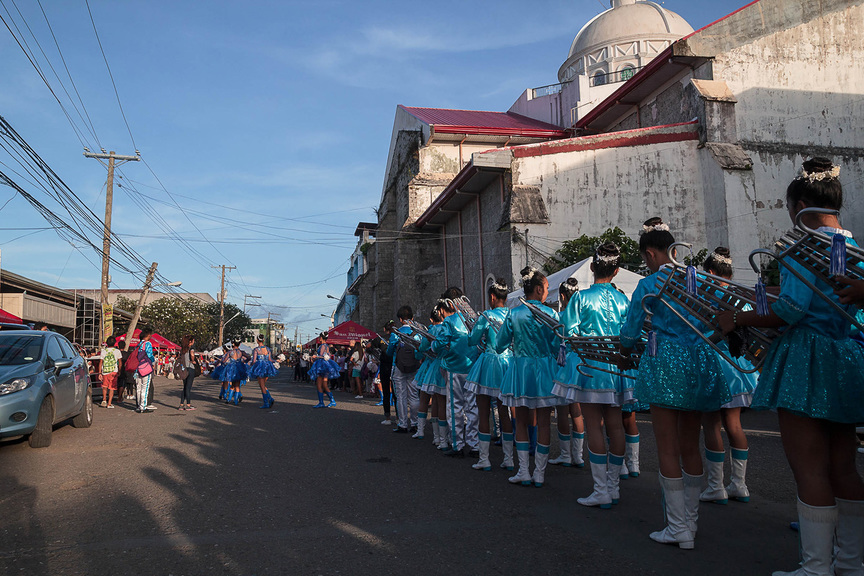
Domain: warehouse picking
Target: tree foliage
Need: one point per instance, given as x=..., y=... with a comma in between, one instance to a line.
x=576, y=250
x=174, y=318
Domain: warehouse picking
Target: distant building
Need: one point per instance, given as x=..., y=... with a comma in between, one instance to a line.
x=273, y=331
x=347, y=308
x=706, y=133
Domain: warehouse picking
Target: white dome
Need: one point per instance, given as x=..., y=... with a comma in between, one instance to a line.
x=629, y=19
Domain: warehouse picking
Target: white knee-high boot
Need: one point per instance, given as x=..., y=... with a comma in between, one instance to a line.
x=577, y=441
x=613, y=475
x=507, y=448
x=692, y=488
x=421, y=426
x=523, y=475
x=541, y=457
x=816, y=525
x=737, y=488
x=443, y=436
x=676, y=530
x=715, y=492
x=600, y=496
x=435, y=438
x=850, y=538
x=483, y=463
x=631, y=455
x=564, y=444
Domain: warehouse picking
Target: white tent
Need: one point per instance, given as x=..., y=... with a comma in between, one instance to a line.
x=220, y=351
x=581, y=271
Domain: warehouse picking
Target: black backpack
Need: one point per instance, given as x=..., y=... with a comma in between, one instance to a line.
x=405, y=360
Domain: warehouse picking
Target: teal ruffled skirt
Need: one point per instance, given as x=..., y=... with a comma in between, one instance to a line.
x=741, y=385
x=429, y=377
x=528, y=383
x=487, y=374
x=600, y=388
x=682, y=377
x=813, y=375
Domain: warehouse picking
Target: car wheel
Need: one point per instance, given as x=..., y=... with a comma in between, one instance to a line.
x=85, y=418
x=41, y=435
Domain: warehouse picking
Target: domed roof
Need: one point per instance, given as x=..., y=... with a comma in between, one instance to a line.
x=626, y=19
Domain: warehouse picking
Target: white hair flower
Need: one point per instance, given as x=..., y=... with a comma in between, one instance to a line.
x=720, y=259
x=811, y=177
x=662, y=227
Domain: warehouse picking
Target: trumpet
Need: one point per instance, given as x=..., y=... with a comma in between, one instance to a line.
x=714, y=295
x=463, y=306
x=812, y=251
x=544, y=318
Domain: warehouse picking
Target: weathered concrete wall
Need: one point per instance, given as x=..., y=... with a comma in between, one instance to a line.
x=799, y=94
x=589, y=191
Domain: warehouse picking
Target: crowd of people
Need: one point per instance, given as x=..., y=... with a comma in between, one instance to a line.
x=812, y=375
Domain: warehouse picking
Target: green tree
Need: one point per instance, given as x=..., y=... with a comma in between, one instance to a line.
x=174, y=318
x=576, y=250
x=237, y=322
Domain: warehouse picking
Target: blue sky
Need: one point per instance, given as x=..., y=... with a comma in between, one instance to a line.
x=268, y=122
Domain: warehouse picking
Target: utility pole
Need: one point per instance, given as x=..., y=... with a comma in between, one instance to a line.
x=107, y=309
x=143, y=298
x=222, y=300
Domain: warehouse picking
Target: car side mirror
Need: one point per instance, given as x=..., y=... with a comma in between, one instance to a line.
x=62, y=364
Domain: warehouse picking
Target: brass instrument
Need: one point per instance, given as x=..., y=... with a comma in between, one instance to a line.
x=605, y=349
x=463, y=306
x=423, y=331
x=812, y=250
x=407, y=339
x=544, y=318
x=714, y=295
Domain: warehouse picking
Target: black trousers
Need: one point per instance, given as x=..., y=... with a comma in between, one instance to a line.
x=186, y=397
x=384, y=377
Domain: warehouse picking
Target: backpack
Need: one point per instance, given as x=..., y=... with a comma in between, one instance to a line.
x=109, y=363
x=405, y=360
x=131, y=364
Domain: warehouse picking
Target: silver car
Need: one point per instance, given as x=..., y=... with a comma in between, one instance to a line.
x=43, y=381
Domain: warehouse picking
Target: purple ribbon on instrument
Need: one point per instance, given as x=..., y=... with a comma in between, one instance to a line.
x=692, y=284
x=652, y=344
x=762, y=308
x=837, y=266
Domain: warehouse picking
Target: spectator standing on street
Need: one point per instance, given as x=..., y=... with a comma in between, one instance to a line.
x=385, y=369
x=187, y=360
x=111, y=360
x=144, y=372
x=356, y=363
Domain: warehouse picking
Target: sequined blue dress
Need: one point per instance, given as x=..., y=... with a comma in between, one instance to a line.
x=429, y=378
x=598, y=311
x=216, y=374
x=529, y=378
x=327, y=368
x=814, y=368
x=235, y=370
x=262, y=365
x=487, y=373
x=685, y=374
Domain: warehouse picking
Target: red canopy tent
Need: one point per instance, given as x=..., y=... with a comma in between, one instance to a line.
x=156, y=340
x=344, y=333
x=7, y=317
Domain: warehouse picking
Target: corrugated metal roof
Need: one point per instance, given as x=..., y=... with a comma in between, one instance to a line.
x=481, y=122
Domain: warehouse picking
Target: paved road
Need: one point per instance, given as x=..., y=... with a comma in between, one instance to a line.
x=238, y=490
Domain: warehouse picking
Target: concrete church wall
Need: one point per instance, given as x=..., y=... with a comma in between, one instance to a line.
x=799, y=93
x=588, y=191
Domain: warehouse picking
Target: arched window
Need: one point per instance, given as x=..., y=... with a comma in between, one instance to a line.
x=599, y=78
x=626, y=73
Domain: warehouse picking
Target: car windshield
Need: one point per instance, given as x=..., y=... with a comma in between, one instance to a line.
x=17, y=349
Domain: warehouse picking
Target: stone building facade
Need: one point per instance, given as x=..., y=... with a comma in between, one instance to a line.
x=706, y=135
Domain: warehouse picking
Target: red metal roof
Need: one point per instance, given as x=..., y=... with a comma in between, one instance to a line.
x=480, y=122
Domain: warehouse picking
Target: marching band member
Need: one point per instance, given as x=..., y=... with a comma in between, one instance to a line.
x=322, y=370
x=457, y=357
x=235, y=372
x=680, y=377
x=599, y=311
x=486, y=375
x=405, y=366
x=431, y=384
x=741, y=386
x=529, y=379
x=569, y=412
x=262, y=369
x=813, y=375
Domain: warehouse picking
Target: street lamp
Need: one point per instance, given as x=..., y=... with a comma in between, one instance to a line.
x=331, y=296
x=175, y=284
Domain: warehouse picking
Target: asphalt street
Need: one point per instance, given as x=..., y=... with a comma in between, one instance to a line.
x=239, y=490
